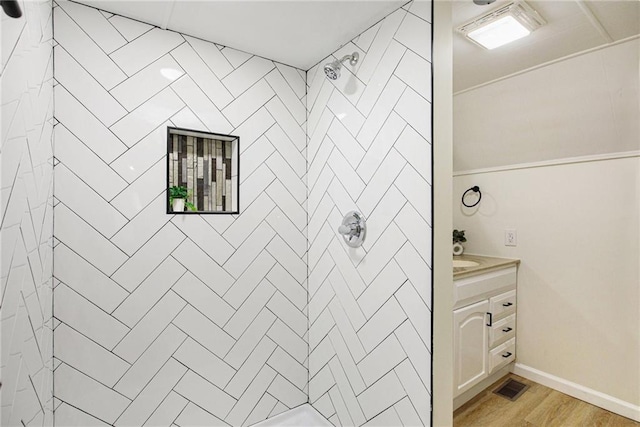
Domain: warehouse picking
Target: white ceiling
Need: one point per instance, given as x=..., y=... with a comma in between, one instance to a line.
x=303, y=32
x=572, y=26
x=299, y=33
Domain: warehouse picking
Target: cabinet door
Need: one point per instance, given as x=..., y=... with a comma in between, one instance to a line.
x=471, y=346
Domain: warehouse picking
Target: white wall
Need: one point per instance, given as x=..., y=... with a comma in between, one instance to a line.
x=193, y=319
x=369, y=150
x=577, y=227
x=579, y=281
x=579, y=106
x=26, y=217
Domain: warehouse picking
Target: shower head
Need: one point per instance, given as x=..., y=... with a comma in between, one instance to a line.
x=332, y=69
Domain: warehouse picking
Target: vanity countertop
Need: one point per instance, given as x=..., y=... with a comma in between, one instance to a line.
x=485, y=264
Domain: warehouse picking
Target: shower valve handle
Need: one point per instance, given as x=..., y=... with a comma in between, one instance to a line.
x=346, y=230
x=353, y=229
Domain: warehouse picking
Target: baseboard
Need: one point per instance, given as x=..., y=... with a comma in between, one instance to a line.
x=578, y=391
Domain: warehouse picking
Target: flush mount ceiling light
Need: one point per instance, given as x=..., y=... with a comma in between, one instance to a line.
x=502, y=25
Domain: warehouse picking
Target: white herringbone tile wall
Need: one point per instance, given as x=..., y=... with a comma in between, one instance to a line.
x=369, y=150
x=26, y=230
x=174, y=319
x=203, y=320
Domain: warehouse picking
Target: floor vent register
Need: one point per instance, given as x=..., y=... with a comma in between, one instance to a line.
x=511, y=389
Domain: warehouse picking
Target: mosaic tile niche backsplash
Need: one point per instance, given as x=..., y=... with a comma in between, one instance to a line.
x=207, y=166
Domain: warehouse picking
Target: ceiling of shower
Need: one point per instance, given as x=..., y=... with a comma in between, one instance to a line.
x=303, y=32
x=295, y=32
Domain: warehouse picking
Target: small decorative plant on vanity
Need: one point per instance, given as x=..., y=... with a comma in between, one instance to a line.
x=178, y=196
x=458, y=239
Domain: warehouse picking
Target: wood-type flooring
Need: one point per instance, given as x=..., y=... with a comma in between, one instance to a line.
x=538, y=406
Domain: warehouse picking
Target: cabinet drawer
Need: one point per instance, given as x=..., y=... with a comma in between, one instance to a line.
x=502, y=355
x=503, y=304
x=472, y=289
x=502, y=330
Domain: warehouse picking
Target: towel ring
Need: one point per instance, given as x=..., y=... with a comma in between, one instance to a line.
x=475, y=189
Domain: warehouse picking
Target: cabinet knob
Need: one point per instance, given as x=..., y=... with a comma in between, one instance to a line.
x=507, y=329
x=507, y=304
x=507, y=355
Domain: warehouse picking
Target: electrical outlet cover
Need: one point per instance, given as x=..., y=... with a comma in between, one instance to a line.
x=510, y=237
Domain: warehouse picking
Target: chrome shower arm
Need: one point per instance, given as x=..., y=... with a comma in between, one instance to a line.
x=353, y=58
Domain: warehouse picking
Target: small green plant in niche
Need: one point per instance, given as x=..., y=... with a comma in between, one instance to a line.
x=179, y=198
x=458, y=236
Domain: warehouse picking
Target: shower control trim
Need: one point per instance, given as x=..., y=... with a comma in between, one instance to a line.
x=353, y=229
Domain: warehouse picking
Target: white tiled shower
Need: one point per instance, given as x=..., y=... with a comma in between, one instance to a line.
x=219, y=319
x=26, y=230
x=368, y=150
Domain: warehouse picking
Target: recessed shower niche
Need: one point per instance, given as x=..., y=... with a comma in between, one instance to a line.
x=203, y=170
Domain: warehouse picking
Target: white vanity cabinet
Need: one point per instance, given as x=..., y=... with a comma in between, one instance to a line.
x=484, y=322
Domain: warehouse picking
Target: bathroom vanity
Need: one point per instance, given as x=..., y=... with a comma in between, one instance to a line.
x=484, y=322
